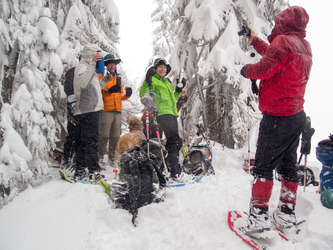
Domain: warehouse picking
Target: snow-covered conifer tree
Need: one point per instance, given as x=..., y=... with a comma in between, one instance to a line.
x=32, y=73
x=164, y=28
x=210, y=51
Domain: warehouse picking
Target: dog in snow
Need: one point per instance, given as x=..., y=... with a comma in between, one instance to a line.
x=134, y=137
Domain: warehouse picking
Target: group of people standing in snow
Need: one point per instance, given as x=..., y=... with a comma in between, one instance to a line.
x=94, y=112
x=283, y=69
x=95, y=104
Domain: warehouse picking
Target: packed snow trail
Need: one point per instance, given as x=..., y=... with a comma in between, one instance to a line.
x=60, y=215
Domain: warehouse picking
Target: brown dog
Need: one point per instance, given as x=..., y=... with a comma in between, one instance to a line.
x=134, y=137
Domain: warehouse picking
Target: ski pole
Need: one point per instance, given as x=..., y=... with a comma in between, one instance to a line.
x=147, y=128
x=187, y=132
x=183, y=115
x=159, y=142
x=305, y=161
x=248, y=132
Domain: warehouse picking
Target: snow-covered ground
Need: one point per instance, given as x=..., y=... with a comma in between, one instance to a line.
x=59, y=215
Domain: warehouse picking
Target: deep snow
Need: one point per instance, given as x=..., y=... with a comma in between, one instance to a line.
x=59, y=215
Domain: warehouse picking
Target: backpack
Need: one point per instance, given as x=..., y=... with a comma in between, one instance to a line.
x=69, y=82
x=324, y=153
x=196, y=161
x=136, y=188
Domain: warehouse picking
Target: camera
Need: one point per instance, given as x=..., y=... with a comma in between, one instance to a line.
x=244, y=31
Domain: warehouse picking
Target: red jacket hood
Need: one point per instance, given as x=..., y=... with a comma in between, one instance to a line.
x=291, y=20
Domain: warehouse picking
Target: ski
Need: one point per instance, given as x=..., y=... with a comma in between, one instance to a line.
x=105, y=185
x=64, y=177
x=232, y=217
x=193, y=181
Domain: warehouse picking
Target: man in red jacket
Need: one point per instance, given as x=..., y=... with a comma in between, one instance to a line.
x=284, y=72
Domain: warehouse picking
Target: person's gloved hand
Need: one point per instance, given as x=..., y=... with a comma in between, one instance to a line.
x=180, y=85
x=254, y=86
x=181, y=101
x=128, y=92
x=115, y=89
x=150, y=72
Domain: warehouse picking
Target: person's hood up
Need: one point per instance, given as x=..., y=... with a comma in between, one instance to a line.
x=89, y=51
x=292, y=20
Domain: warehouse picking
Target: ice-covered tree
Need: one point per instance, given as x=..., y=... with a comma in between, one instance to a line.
x=211, y=53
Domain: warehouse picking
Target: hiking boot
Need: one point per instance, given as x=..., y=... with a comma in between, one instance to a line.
x=257, y=224
x=284, y=217
x=172, y=162
x=95, y=177
x=64, y=164
x=80, y=174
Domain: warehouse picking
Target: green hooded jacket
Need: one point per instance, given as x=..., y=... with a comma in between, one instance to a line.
x=165, y=97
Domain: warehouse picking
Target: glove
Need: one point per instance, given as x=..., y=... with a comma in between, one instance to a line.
x=306, y=137
x=254, y=87
x=181, y=101
x=115, y=89
x=128, y=92
x=180, y=85
x=150, y=72
x=242, y=71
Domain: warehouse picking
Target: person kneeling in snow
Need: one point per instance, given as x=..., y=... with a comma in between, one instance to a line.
x=284, y=72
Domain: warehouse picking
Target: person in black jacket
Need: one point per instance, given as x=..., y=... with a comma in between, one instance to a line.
x=73, y=130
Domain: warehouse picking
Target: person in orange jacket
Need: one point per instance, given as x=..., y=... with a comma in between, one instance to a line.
x=110, y=118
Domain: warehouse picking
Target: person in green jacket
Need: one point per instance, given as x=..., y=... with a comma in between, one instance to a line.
x=167, y=110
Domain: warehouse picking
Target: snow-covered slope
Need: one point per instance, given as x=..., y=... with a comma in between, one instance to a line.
x=59, y=215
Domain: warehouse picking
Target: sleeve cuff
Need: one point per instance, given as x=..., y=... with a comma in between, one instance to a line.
x=242, y=72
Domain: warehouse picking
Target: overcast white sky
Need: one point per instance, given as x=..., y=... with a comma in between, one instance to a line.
x=136, y=47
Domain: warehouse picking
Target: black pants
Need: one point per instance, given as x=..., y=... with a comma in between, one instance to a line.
x=72, y=140
x=277, y=146
x=87, y=155
x=169, y=126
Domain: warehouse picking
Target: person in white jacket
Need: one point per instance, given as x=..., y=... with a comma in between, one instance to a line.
x=87, y=91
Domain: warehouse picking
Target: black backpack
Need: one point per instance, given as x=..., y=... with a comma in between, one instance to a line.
x=69, y=82
x=136, y=189
x=196, y=161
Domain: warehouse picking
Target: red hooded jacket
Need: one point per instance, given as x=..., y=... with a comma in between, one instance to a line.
x=285, y=65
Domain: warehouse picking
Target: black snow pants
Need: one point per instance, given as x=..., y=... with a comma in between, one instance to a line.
x=169, y=126
x=278, y=141
x=87, y=155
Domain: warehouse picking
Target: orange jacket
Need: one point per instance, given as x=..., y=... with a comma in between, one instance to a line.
x=113, y=102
